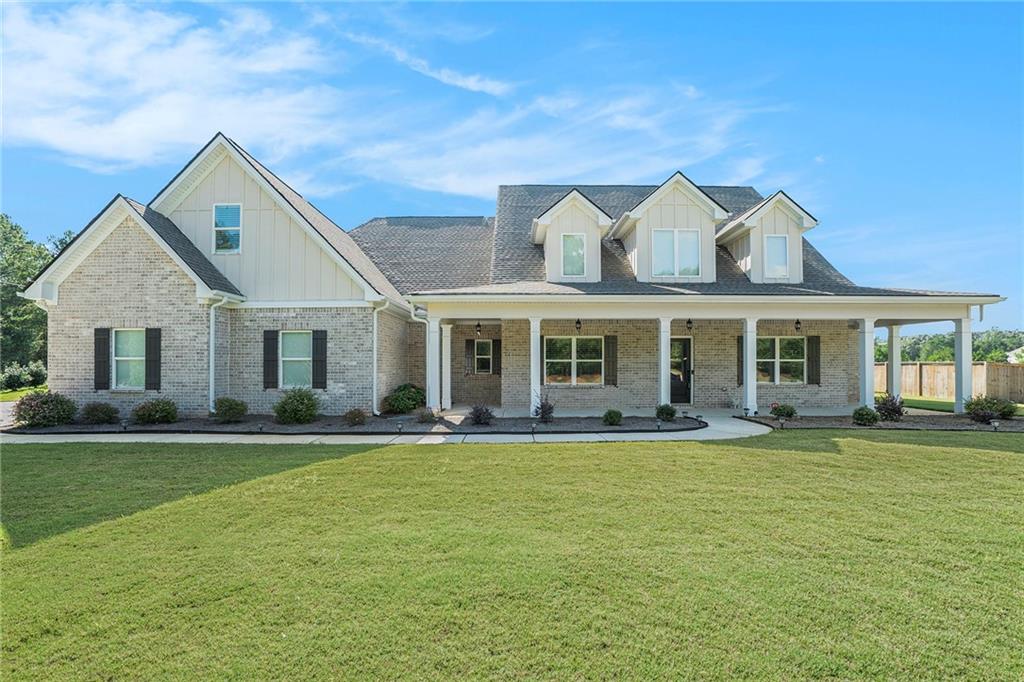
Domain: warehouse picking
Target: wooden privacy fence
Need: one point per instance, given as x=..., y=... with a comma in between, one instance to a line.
x=935, y=379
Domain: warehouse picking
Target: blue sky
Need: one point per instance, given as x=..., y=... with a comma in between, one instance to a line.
x=898, y=126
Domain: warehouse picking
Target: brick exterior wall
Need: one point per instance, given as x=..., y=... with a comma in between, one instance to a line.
x=471, y=388
x=349, y=355
x=392, y=353
x=417, y=335
x=128, y=281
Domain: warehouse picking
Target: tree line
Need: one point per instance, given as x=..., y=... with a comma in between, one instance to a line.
x=992, y=345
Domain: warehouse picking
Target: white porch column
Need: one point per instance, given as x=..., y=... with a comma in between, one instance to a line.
x=535, y=365
x=963, y=353
x=664, y=361
x=866, y=362
x=433, y=363
x=446, y=367
x=750, y=364
x=894, y=370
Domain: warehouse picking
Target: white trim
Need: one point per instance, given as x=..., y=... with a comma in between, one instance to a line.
x=764, y=258
x=114, y=358
x=214, y=229
x=281, y=359
x=697, y=298
x=561, y=248
x=755, y=213
x=573, y=360
x=778, y=359
x=212, y=352
x=538, y=231
x=629, y=219
x=675, y=252
x=328, y=303
x=477, y=356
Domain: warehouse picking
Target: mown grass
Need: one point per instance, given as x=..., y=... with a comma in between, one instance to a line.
x=940, y=405
x=799, y=554
x=15, y=394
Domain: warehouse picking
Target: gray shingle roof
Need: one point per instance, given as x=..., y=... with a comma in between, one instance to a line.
x=429, y=252
x=186, y=250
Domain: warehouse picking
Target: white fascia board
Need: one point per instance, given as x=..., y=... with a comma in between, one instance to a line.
x=696, y=298
x=346, y=303
x=753, y=216
x=573, y=197
x=680, y=180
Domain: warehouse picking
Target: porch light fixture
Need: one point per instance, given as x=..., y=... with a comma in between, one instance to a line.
x=798, y=326
x=579, y=325
x=478, y=328
x=689, y=325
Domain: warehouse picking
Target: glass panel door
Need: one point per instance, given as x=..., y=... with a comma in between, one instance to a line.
x=680, y=366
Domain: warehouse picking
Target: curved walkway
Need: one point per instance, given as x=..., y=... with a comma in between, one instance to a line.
x=718, y=428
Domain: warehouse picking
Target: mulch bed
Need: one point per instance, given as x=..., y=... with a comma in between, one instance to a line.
x=384, y=425
x=911, y=422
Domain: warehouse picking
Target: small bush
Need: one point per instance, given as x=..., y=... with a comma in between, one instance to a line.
x=405, y=399
x=865, y=416
x=979, y=407
x=229, y=410
x=36, y=373
x=297, y=406
x=889, y=407
x=159, y=411
x=545, y=411
x=426, y=416
x=665, y=413
x=783, y=410
x=44, y=408
x=612, y=418
x=354, y=417
x=15, y=376
x=99, y=413
x=481, y=415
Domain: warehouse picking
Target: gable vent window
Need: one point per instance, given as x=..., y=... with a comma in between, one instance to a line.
x=776, y=255
x=675, y=253
x=227, y=228
x=574, y=259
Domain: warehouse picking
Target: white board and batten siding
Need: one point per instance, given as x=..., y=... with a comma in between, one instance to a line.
x=278, y=260
x=675, y=210
x=777, y=221
x=573, y=218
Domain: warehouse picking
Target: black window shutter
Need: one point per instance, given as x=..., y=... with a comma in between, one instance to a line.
x=153, y=359
x=542, y=361
x=739, y=360
x=611, y=361
x=814, y=360
x=496, y=356
x=320, y=358
x=470, y=355
x=270, y=358
x=101, y=359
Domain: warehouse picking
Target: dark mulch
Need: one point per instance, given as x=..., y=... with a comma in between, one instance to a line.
x=913, y=422
x=388, y=425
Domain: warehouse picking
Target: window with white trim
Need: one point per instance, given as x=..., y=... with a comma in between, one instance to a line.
x=781, y=359
x=776, y=255
x=296, y=359
x=129, y=359
x=483, y=355
x=574, y=360
x=227, y=228
x=675, y=253
x=574, y=254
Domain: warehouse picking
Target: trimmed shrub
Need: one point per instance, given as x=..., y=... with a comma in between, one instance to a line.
x=481, y=415
x=297, y=406
x=159, y=411
x=354, y=417
x=15, y=376
x=783, y=410
x=405, y=399
x=99, y=413
x=665, y=413
x=44, y=408
x=865, y=416
x=545, y=411
x=229, y=410
x=889, y=407
x=980, y=407
x=612, y=418
x=36, y=373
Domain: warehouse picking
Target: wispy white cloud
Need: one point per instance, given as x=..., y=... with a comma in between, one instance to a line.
x=746, y=170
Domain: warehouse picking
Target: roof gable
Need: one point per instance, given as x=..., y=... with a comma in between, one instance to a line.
x=573, y=197
x=754, y=214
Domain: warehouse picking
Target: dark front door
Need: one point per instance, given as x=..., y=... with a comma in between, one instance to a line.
x=681, y=366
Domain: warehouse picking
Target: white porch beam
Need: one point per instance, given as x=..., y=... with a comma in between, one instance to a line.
x=894, y=370
x=963, y=353
x=446, y=367
x=750, y=364
x=664, y=360
x=535, y=364
x=433, y=363
x=866, y=362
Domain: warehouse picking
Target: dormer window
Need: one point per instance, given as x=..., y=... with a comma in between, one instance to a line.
x=675, y=253
x=776, y=256
x=227, y=228
x=574, y=254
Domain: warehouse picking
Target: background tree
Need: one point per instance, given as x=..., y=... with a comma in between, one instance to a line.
x=22, y=323
x=992, y=345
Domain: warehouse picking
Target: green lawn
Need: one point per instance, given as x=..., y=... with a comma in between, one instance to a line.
x=828, y=554
x=11, y=396
x=939, y=405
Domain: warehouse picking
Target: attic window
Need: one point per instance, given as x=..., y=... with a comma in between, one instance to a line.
x=227, y=228
x=776, y=255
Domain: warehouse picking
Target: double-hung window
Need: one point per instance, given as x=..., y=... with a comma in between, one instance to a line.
x=129, y=359
x=483, y=355
x=296, y=359
x=574, y=255
x=781, y=360
x=776, y=256
x=675, y=253
x=574, y=360
x=227, y=228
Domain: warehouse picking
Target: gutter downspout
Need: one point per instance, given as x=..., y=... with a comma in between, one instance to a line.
x=376, y=311
x=213, y=335
x=426, y=332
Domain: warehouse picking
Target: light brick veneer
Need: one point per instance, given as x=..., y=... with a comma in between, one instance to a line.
x=471, y=388
x=129, y=281
x=392, y=353
x=417, y=335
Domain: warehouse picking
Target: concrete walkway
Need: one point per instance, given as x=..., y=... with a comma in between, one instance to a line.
x=719, y=428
